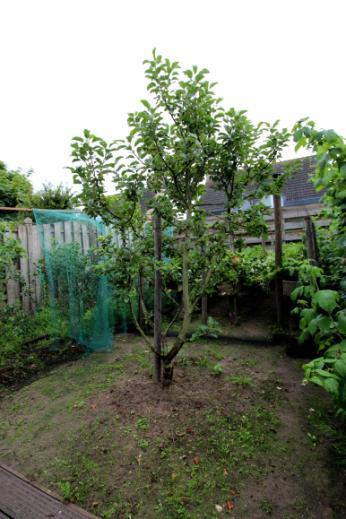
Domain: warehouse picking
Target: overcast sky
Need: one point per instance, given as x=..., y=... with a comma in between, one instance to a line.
x=73, y=64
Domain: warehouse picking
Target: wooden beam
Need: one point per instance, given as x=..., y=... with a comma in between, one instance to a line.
x=311, y=241
x=26, y=209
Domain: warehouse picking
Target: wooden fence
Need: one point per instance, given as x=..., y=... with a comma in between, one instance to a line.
x=28, y=291
x=293, y=224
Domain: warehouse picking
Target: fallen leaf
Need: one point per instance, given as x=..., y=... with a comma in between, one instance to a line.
x=173, y=476
x=219, y=508
x=94, y=504
x=196, y=460
x=225, y=472
x=229, y=505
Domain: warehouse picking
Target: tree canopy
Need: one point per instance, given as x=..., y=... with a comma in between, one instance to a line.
x=15, y=187
x=181, y=136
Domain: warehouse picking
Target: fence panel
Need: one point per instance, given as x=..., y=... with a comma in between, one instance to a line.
x=29, y=292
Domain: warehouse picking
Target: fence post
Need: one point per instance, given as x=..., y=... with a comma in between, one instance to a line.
x=26, y=264
x=311, y=241
x=278, y=259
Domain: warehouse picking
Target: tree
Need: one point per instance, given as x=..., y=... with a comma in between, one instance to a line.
x=53, y=197
x=175, y=141
x=15, y=187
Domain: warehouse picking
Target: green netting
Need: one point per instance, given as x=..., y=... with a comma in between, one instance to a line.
x=80, y=299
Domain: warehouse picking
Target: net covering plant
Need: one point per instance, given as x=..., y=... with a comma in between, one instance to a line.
x=75, y=292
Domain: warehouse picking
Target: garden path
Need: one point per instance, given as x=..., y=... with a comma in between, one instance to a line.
x=22, y=499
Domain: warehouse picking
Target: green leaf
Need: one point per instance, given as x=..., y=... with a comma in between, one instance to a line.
x=337, y=349
x=331, y=385
x=324, y=323
x=340, y=367
x=342, y=322
x=326, y=299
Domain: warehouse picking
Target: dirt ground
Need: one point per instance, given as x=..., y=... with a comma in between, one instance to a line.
x=236, y=435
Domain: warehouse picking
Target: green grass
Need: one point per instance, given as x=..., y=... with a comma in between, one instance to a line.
x=241, y=380
x=100, y=433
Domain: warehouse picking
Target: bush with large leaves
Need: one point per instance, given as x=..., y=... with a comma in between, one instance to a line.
x=321, y=294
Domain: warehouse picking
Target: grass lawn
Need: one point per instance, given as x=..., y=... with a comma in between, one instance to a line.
x=236, y=435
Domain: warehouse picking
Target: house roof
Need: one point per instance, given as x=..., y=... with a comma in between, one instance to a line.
x=297, y=190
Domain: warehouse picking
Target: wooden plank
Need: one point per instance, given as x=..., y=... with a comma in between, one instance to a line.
x=36, y=256
x=58, y=236
x=92, y=236
x=68, y=231
x=31, y=268
x=21, y=498
x=24, y=268
x=12, y=285
x=47, y=237
x=85, y=238
x=77, y=234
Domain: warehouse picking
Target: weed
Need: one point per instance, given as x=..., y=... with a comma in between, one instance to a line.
x=241, y=380
x=65, y=489
x=143, y=444
x=266, y=506
x=142, y=424
x=217, y=370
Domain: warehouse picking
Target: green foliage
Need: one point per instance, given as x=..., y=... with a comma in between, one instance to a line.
x=211, y=329
x=17, y=328
x=256, y=266
x=217, y=370
x=241, y=380
x=321, y=295
x=15, y=187
x=53, y=197
x=178, y=137
x=76, y=292
x=10, y=250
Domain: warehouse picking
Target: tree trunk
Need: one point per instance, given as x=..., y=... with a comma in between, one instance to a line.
x=204, y=299
x=278, y=259
x=205, y=309
x=157, y=299
x=141, y=316
x=180, y=340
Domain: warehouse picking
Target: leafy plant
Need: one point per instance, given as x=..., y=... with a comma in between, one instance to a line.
x=320, y=295
x=211, y=329
x=10, y=250
x=53, y=197
x=217, y=370
x=15, y=188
